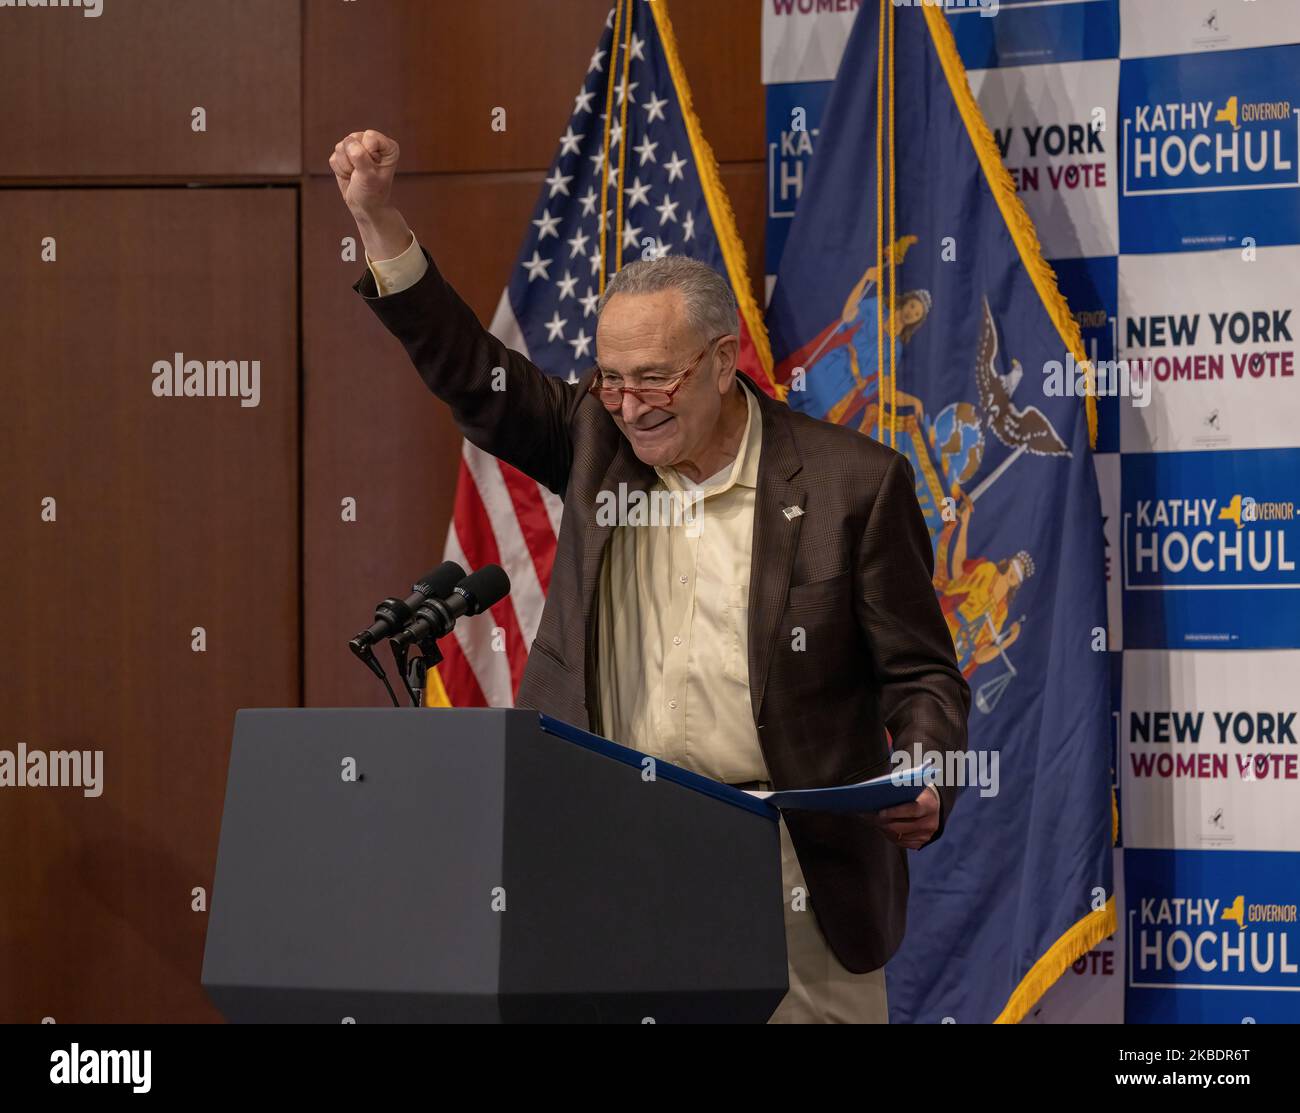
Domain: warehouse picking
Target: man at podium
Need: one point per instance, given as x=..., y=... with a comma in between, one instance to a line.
x=738, y=588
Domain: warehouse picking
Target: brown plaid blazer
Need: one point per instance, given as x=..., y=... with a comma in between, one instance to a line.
x=854, y=571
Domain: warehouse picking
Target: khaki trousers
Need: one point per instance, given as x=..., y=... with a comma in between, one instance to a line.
x=821, y=990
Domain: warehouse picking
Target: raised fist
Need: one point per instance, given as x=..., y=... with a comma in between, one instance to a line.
x=364, y=164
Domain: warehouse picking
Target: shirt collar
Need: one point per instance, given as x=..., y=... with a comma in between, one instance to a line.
x=742, y=471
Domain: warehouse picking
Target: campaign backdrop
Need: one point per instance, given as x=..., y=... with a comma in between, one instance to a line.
x=1156, y=145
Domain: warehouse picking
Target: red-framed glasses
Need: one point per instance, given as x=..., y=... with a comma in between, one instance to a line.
x=611, y=395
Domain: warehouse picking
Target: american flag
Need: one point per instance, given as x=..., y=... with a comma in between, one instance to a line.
x=631, y=161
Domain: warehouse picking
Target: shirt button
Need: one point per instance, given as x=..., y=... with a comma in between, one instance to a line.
x=677, y=640
x=673, y=704
x=683, y=579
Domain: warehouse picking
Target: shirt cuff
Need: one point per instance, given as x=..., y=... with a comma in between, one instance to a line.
x=392, y=276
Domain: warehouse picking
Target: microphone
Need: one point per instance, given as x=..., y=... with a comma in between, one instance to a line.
x=392, y=614
x=473, y=595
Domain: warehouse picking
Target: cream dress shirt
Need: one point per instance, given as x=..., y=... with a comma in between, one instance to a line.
x=673, y=622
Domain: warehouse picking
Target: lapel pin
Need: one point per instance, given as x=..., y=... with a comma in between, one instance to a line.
x=792, y=512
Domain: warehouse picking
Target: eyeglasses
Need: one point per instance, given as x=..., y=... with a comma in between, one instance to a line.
x=611, y=396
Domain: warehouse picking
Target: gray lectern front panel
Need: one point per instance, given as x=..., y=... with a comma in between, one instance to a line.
x=467, y=866
x=336, y=896
x=634, y=898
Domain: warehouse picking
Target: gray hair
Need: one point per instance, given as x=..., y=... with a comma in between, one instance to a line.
x=710, y=304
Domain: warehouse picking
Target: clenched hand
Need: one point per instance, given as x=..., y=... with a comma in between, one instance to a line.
x=364, y=164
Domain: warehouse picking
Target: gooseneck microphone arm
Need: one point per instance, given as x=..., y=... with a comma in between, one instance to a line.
x=366, y=655
x=415, y=671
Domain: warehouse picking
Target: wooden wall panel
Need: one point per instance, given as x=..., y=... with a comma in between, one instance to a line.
x=746, y=186
x=180, y=513
x=113, y=95
x=172, y=513
x=430, y=72
x=373, y=431
x=720, y=41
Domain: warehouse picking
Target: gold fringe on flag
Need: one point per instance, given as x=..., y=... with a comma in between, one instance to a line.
x=1012, y=208
x=1062, y=954
x=435, y=692
x=881, y=201
x=609, y=123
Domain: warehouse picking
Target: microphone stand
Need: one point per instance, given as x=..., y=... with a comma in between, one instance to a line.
x=418, y=674
x=366, y=656
x=415, y=672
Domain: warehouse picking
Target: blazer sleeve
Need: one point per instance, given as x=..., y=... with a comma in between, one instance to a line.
x=925, y=700
x=518, y=414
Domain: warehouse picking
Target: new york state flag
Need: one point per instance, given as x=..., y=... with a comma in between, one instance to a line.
x=913, y=304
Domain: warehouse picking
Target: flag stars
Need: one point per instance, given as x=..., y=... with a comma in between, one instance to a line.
x=537, y=267
x=646, y=150
x=597, y=205
x=566, y=286
x=637, y=194
x=581, y=344
x=555, y=328
x=547, y=225
x=569, y=143
x=559, y=183
x=578, y=243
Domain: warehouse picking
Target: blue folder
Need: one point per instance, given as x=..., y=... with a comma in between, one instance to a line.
x=899, y=786
x=895, y=787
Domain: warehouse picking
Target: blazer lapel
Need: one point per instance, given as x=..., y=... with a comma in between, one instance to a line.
x=776, y=539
